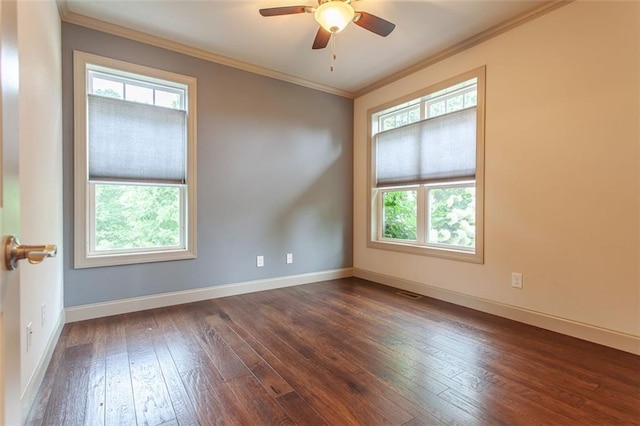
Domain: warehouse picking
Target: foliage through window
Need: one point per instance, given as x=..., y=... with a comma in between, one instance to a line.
x=134, y=163
x=400, y=215
x=136, y=216
x=427, y=171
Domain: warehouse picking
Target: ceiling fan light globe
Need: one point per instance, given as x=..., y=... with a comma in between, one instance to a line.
x=334, y=15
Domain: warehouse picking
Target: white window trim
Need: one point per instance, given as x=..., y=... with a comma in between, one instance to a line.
x=374, y=206
x=82, y=257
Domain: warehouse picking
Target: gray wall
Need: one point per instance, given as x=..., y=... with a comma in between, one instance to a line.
x=274, y=176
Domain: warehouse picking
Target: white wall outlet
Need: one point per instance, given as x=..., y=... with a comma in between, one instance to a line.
x=516, y=279
x=260, y=261
x=29, y=335
x=289, y=257
x=43, y=314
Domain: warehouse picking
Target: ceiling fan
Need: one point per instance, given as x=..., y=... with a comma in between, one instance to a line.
x=333, y=16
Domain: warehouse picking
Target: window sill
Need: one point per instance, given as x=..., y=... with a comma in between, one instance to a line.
x=133, y=258
x=441, y=253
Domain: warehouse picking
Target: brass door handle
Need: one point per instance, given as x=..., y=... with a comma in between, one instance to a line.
x=14, y=251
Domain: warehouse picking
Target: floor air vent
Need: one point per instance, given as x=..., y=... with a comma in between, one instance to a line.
x=408, y=295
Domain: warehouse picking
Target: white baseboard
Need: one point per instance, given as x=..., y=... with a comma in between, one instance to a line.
x=30, y=392
x=611, y=338
x=98, y=310
x=606, y=337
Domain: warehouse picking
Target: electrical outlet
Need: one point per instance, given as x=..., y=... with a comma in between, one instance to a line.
x=43, y=314
x=289, y=257
x=516, y=279
x=260, y=261
x=29, y=334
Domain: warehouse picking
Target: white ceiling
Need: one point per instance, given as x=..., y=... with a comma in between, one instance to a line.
x=234, y=29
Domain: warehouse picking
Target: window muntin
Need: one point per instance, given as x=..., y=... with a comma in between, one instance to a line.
x=141, y=208
x=448, y=211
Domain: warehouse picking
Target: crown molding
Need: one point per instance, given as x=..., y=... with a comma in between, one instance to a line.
x=481, y=37
x=117, y=30
x=63, y=8
x=120, y=31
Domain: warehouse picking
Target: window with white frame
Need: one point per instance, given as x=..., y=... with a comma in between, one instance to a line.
x=427, y=156
x=134, y=163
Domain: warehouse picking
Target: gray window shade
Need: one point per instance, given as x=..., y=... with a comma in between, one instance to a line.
x=437, y=149
x=135, y=142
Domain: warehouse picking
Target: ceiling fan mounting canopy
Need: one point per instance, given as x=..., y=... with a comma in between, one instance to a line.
x=333, y=17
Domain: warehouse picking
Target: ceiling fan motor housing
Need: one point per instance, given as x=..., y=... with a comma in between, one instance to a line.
x=334, y=15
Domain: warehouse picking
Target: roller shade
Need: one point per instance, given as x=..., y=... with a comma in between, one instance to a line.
x=136, y=142
x=437, y=149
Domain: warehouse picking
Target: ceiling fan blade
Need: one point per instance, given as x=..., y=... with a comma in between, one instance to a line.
x=287, y=10
x=322, y=39
x=374, y=24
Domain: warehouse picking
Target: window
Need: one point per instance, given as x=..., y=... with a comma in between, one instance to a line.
x=134, y=163
x=426, y=171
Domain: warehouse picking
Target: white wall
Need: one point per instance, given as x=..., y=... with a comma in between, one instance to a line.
x=40, y=174
x=562, y=171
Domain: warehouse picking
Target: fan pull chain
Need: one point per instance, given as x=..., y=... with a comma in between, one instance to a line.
x=333, y=51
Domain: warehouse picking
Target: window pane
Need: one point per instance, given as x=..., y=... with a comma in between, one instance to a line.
x=400, y=215
x=109, y=88
x=470, y=99
x=452, y=216
x=139, y=94
x=455, y=103
x=437, y=108
x=400, y=118
x=168, y=99
x=136, y=216
x=388, y=123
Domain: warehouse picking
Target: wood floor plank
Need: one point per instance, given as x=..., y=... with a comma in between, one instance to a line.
x=534, y=345
x=474, y=351
x=69, y=394
x=202, y=396
x=353, y=383
x=119, y=405
x=96, y=395
x=334, y=358
x=224, y=358
x=182, y=406
x=377, y=341
x=296, y=406
x=37, y=412
x=340, y=352
x=214, y=401
x=522, y=390
x=299, y=410
x=336, y=404
x=151, y=397
x=184, y=345
x=266, y=375
x=260, y=405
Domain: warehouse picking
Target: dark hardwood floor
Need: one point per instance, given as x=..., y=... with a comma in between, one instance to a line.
x=339, y=352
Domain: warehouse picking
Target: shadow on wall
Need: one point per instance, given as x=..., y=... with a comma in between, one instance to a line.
x=323, y=213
